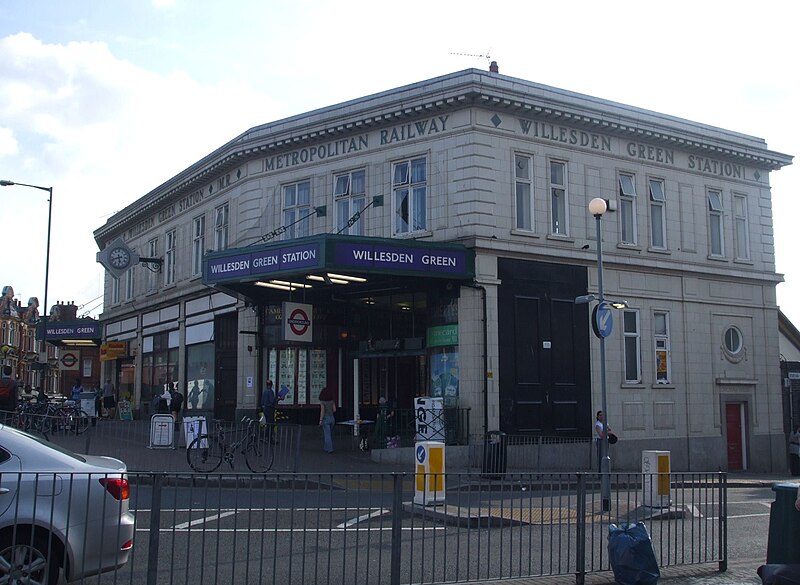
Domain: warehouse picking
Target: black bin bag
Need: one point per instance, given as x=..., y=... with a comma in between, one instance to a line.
x=775, y=574
x=630, y=552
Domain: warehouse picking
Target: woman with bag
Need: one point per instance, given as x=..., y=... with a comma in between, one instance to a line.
x=327, y=418
x=600, y=430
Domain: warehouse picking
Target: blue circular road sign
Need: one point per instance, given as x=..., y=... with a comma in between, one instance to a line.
x=602, y=320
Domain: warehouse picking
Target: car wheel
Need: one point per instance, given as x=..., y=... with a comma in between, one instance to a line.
x=26, y=560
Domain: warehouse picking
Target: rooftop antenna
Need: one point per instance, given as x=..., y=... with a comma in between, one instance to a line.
x=492, y=64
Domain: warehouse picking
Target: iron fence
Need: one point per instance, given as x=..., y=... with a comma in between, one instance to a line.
x=365, y=528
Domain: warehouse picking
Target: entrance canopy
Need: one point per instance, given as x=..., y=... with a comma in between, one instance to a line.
x=328, y=261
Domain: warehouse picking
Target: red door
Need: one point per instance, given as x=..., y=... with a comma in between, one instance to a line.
x=733, y=426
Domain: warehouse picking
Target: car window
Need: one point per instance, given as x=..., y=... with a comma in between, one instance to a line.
x=4, y=455
x=45, y=443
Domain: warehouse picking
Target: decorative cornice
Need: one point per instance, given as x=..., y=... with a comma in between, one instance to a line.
x=456, y=91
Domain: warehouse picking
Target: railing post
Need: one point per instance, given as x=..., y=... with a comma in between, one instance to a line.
x=155, y=524
x=580, y=532
x=397, y=532
x=723, y=522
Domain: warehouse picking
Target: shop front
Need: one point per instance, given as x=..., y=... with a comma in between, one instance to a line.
x=365, y=317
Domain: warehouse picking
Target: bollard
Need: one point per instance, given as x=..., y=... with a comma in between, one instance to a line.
x=783, y=541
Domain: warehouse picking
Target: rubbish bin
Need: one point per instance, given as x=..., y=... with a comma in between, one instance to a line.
x=494, y=453
x=783, y=541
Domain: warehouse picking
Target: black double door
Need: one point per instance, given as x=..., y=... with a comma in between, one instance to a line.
x=544, y=349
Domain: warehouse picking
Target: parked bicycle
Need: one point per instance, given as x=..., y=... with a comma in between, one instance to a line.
x=207, y=451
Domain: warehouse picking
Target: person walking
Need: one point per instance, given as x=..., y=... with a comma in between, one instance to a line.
x=327, y=418
x=176, y=405
x=109, y=399
x=794, y=452
x=8, y=393
x=77, y=388
x=600, y=430
x=269, y=400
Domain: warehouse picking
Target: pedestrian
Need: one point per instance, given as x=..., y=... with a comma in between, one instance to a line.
x=327, y=418
x=269, y=400
x=794, y=452
x=109, y=399
x=600, y=430
x=77, y=388
x=8, y=393
x=176, y=406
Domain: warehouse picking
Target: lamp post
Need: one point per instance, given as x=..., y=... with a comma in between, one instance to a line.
x=597, y=207
x=49, y=190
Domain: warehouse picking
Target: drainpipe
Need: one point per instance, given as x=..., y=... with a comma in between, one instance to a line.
x=485, y=359
x=259, y=357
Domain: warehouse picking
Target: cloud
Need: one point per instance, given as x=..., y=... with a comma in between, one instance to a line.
x=8, y=144
x=103, y=132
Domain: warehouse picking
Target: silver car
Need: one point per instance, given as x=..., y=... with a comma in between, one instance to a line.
x=60, y=511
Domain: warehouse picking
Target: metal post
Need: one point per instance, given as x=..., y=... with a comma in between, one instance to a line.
x=580, y=532
x=605, y=458
x=155, y=524
x=397, y=528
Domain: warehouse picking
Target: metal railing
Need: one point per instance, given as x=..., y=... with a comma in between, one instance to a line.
x=449, y=425
x=366, y=529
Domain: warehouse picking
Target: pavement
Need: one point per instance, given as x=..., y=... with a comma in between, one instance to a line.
x=299, y=450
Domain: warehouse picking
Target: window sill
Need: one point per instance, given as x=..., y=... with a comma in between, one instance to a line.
x=632, y=385
x=743, y=261
x=561, y=238
x=629, y=247
x=717, y=258
x=662, y=251
x=669, y=386
x=150, y=293
x=525, y=233
x=414, y=235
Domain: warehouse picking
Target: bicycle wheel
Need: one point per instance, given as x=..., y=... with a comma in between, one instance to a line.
x=260, y=452
x=80, y=421
x=205, y=453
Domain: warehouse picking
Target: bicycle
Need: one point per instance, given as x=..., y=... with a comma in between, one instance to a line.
x=69, y=417
x=207, y=451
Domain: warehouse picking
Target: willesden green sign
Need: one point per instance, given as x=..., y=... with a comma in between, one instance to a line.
x=442, y=335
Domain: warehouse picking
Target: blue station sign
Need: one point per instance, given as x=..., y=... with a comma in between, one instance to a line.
x=334, y=253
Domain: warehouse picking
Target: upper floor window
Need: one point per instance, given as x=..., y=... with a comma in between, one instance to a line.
x=129, y=283
x=221, y=227
x=297, y=209
x=152, y=277
x=350, y=195
x=198, y=244
x=715, y=228
x=632, y=341
x=523, y=191
x=662, y=347
x=658, y=228
x=627, y=208
x=410, y=195
x=558, y=197
x=742, y=231
x=169, y=257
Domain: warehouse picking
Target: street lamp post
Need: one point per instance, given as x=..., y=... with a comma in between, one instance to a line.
x=43, y=350
x=597, y=207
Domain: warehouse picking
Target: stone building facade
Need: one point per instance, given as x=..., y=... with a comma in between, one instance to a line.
x=432, y=239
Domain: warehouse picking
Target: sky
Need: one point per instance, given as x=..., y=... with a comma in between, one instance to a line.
x=105, y=100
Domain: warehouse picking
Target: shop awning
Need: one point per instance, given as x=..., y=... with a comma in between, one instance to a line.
x=328, y=261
